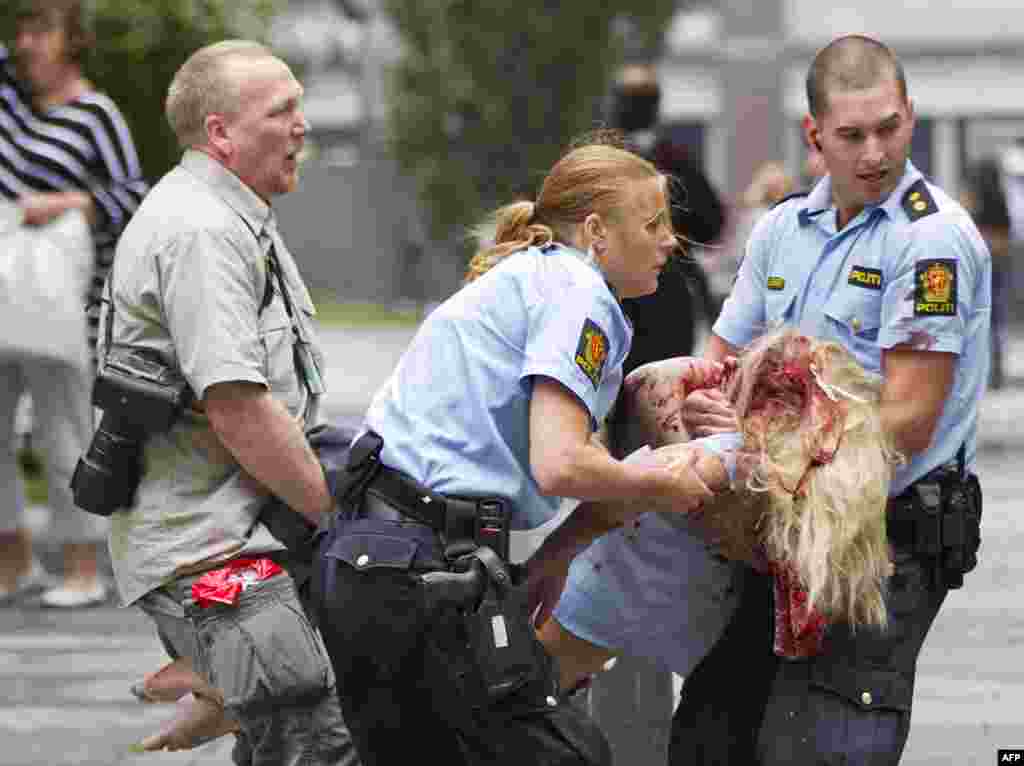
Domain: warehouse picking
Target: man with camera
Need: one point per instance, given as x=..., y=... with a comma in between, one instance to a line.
x=211, y=373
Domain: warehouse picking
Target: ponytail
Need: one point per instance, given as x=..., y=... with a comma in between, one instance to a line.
x=510, y=229
x=591, y=178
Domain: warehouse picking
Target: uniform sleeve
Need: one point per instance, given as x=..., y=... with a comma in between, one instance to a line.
x=211, y=305
x=578, y=339
x=743, y=314
x=932, y=289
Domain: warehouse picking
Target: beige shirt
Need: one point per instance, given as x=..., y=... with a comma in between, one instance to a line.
x=189, y=280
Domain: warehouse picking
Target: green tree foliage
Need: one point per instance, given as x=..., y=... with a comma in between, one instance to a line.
x=139, y=46
x=487, y=93
x=651, y=17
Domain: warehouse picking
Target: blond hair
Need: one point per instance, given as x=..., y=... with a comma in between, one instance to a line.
x=814, y=467
x=769, y=184
x=812, y=473
x=202, y=86
x=817, y=495
x=590, y=178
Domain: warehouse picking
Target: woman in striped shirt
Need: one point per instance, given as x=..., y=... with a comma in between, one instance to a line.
x=63, y=146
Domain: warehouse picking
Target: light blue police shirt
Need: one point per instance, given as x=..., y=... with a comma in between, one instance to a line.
x=455, y=413
x=911, y=269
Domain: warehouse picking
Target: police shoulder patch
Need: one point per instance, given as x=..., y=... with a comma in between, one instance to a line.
x=917, y=201
x=592, y=351
x=935, y=287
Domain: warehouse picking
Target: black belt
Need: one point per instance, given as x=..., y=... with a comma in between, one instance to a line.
x=415, y=501
x=376, y=507
x=454, y=518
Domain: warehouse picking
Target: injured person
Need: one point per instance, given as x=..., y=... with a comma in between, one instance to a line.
x=800, y=492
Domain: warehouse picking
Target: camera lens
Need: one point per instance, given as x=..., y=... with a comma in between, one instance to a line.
x=107, y=476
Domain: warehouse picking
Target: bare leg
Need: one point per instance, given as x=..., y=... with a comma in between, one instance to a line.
x=199, y=716
x=577, y=659
x=15, y=557
x=196, y=721
x=81, y=565
x=172, y=682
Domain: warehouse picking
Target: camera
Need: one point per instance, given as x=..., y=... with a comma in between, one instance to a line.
x=139, y=395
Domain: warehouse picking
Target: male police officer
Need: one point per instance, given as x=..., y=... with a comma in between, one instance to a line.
x=884, y=262
x=203, y=279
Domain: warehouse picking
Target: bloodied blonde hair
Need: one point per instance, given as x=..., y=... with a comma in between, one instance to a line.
x=816, y=496
x=814, y=468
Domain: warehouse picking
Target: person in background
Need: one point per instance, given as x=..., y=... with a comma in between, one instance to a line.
x=1012, y=166
x=63, y=145
x=984, y=198
x=769, y=185
x=683, y=299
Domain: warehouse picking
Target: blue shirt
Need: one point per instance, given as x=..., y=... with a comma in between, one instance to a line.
x=455, y=413
x=911, y=269
x=653, y=588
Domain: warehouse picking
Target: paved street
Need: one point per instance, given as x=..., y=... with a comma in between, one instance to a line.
x=64, y=677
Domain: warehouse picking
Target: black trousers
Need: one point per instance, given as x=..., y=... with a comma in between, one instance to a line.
x=849, y=705
x=406, y=676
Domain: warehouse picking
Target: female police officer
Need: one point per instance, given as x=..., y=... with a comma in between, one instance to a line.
x=486, y=424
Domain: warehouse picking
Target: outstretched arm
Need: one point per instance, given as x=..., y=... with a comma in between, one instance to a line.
x=566, y=463
x=549, y=566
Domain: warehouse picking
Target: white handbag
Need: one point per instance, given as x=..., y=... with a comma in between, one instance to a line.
x=44, y=275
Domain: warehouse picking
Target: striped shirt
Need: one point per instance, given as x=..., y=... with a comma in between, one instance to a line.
x=83, y=145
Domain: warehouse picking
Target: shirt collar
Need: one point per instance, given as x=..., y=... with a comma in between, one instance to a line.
x=817, y=202
x=256, y=213
x=820, y=199
x=893, y=204
x=589, y=259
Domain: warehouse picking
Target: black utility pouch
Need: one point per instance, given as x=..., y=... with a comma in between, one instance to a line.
x=503, y=643
x=948, y=525
x=961, y=529
x=928, y=508
x=972, y=531
x=499, y=633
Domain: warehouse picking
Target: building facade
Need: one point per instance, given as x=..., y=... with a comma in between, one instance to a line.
x=732, y=75
x=724, y=64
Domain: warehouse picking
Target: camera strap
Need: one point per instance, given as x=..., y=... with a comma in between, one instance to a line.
x=108, y=326
x=305, y=365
